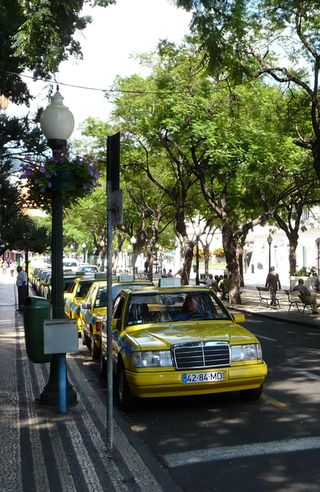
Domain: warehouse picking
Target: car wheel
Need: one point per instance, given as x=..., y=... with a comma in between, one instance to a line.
x=95, y=351
x=103, y=367
x=126, y=401
x=252, y=394
x=84, y=338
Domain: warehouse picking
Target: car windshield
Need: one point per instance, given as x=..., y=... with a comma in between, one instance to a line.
x=83, y=288
x=172, y=307
x=101, y=298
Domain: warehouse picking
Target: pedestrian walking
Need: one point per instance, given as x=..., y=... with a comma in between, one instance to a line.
x=273, y=284
x=22, y=285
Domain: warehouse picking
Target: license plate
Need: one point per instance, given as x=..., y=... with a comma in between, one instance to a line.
x=203, y=377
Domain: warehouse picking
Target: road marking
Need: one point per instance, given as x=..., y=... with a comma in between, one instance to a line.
x=311, y=375
x=197, y=456
x=273, y=402
x=266, y=338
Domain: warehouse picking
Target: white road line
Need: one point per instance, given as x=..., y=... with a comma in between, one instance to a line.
x=243, y=451
x=97, y=410
x=311, y=375
x=267, y=338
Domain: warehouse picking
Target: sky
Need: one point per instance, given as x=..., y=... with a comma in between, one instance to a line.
x=116, y=33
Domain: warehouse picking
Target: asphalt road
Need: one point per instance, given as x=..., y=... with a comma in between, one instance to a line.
x=222, y=444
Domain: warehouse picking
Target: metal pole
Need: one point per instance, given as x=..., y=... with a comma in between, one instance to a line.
x=269, y=255
x=57, y=256
x=109, y=321
x=51, y=392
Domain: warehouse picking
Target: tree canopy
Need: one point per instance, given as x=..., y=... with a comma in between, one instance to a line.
x=264, y=38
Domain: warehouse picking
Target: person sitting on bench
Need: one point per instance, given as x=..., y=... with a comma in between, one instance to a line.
x=306, y=296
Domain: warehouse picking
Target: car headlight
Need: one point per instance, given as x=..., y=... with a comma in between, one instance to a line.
x=246, y=352
x=155, y=358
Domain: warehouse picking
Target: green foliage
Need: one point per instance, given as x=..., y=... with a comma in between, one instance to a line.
x=38, y=35
x=303, y=272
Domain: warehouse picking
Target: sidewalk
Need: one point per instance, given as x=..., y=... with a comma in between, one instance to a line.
x=250, y=304
x=42, y=450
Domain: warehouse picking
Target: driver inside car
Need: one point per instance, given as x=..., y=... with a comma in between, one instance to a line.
x=189, y=309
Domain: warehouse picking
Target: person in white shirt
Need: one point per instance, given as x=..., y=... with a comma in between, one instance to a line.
x=22, y=284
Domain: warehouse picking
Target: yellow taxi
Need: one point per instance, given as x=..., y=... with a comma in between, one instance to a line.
x=172, y=341
x=74, y=296
x=93, y=310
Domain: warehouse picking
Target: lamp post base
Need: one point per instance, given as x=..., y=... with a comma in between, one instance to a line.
x=50, y=394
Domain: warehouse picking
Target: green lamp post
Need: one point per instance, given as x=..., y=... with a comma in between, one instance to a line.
x=57, y=124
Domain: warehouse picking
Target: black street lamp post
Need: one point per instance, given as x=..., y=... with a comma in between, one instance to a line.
x=269, y=240
x=57, y=124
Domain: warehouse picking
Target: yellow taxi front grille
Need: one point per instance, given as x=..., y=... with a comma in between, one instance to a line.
x=197, y=355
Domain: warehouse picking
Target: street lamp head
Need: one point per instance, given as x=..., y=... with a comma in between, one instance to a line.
x=57, y=122
x=84, y=245
x=133, y=240
x=269, y=239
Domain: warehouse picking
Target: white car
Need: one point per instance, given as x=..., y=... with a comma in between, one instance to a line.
x=70, y=265
x=87, y=268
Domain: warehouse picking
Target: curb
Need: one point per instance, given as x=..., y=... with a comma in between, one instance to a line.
x=276, y=317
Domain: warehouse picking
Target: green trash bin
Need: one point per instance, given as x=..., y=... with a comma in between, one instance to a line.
x=36, y=309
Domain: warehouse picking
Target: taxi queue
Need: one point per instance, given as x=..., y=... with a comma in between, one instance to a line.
x=162, y=347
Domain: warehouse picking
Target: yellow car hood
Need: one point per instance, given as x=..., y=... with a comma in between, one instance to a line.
x=162, y=336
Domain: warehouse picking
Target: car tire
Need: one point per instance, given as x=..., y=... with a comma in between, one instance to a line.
x=95, y=351
x=84, y=338
x=252, y=394
x=103, y=368
x=126, y=401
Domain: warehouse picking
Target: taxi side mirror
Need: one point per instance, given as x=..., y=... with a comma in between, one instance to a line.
x=239, y=318
x=86, y=305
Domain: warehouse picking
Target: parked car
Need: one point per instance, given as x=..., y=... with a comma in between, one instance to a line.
x=70, y=265
x=162, y=348
x=68, y=279
x=74, y=296
x=86, y=268
x=93, y=310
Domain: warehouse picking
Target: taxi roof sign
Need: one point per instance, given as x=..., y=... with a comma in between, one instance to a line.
x=169, y=282
x=100, y=275
x=125, y=278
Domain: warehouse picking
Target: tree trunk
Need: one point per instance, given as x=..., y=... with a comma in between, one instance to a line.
x=293, y=242
x=240, y=260
x=206, y=252
x=230, y=249
x=187, y=254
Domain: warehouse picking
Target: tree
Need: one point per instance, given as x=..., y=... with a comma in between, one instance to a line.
x=145, y=215
x=237, y=148
x=37, y=36
x=265, y=38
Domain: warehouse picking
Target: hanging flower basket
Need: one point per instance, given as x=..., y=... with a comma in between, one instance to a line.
x=75, y=178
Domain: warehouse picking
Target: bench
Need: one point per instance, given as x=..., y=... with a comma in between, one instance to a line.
x=265, y=296
x=295, y=301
